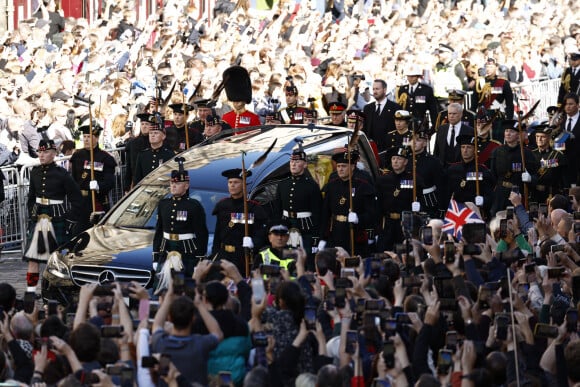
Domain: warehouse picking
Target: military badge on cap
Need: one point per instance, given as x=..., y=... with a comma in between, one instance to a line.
x=95, y=127
x=510, y=124
x=355, y=115
x=456, y=95
x=401, y=151
x=235, y=173
x=465, y=139
x=180, y=175
x=336, y=107
x=45, y=145
x=342, y=157
x=402, y=115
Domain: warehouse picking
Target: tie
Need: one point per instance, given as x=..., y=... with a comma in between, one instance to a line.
x=356, y=93
x=378, y=108
x=569, y=127
x=412, y=91
x=452, y=139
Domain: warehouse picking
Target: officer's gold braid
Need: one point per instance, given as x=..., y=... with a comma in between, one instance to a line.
x=401, y=98
x=566, y=82
x=483, y=91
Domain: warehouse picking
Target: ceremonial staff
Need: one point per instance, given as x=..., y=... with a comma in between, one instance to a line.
x=350, y=147
x=185, y=113
x=92, y=157
x=476, y=158
x=521, y=119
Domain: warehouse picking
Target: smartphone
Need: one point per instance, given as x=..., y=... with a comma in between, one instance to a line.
x=412, y=281
x=530, y=268
x=576, y=227
x=427, y=235
x=104, y=290
x=126, y=288
x=483, y=297
x=28, y=302
x=340, y=297
x=557, y=248
x=503, y=228
x=164, y=361
x=127, y=376
x=509, y=212
x=270, y=270
x=407, y=220
x=402, y=318
x=546, y=331
x=474, y=232
x=451, y=340
x=178, y=278
x=351, y=340
x=572, y=320
x=389, y=353
x=343, y=282
x=543, y=209
x=400, y=248
x=310, y=318
x=501, y=322
x=225, y=379
x=449, y=252
x=70, y=319
x=516, y=189
x=444, y=361
x=374, y=304
x=148, y=361
x=352, y=262
x=111, y=330
x=556, y=272
x=52, y=307
x=258, y=290
x=114, y=369
x=260, y=339
x=290, y=254
x=347, y=272
x=330, y=301
x=389, y=325
x=576, y=288
x=533, y=210
x=576, y=215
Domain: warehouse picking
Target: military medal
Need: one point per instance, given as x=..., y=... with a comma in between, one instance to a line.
x=396, y=192
x=462, y=184
x=342, y=201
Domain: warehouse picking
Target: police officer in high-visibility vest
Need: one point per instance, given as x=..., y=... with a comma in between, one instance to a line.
x=273, y=254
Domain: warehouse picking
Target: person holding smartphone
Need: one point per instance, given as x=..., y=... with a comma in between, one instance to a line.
x=277, y=254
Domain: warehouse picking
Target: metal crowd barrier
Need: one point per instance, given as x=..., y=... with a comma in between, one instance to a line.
x=14, y=211
x=529, y=93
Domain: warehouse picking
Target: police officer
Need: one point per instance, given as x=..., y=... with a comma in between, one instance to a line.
x=337, y=218
x=461, y=176
x=50, y=221
x=176, y=138
x=152, y=157
x=298, y=201
x=181, y=228
x=417, y=98
x=229, y=237
x=551, y=177
x=135, y=146
x=278, y=236
x=292, y=113
x=395, y=195
x=432, y=196
x=455, y=96
x=103, y=167
x=496, y=95
x=508, y=169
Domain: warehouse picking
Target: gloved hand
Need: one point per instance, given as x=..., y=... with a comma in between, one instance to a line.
x=155, y=264
x=526, y=177
x=321, y=245
x=479, y=200
x=415, y=206
x=248, y=243
x=70, y=227
x=94, y=185
x=353, y=217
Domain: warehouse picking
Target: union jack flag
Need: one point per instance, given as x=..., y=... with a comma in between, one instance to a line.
x=458, y=214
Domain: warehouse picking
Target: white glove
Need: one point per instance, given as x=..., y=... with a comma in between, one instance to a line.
x=321, y=245
x=93, y=185
x=248, y=243
x=526, y=177
x=353, y=217
x=155, y=264
x=415, y=206
x=479, y=200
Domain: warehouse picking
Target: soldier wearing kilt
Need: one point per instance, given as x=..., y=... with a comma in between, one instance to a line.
x=229, y=237
x=298, y=201
x=103, y=166
x=181, y=233
x=50, y=220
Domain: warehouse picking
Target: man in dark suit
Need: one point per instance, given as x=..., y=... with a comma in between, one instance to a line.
x=570, y=78
x=572, y=143
x=380, y=115
x=416, y=97
x=446, y=148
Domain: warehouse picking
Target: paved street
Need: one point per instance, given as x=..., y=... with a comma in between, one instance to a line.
x=13, y=271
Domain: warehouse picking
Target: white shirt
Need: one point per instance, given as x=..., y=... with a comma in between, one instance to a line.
x=457, y=127
x=574, y=120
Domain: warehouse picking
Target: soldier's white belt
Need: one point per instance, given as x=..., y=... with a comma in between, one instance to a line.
x=429, y=190
x=297, y=215
x=178, y=237
x=47, y=202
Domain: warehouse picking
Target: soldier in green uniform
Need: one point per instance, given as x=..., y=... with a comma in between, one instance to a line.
x=551, y=177
x=298, y=201
x=50, y=221
x=461, y=176
x=152, y=157
x=395, y=195
x=181, y=229
x=508, y=169
x=229, y=237
x=103, y=167
x=337, y=217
